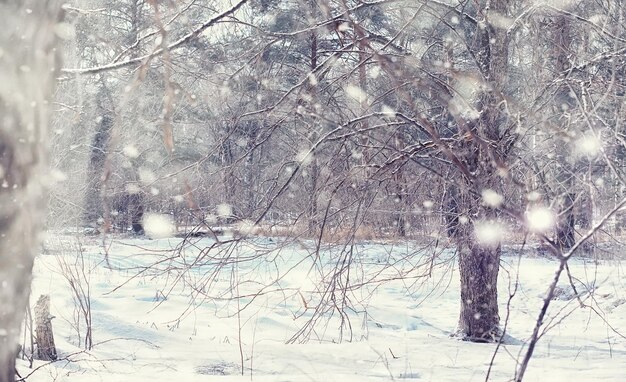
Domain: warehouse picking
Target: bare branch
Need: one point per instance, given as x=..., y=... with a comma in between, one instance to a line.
x=173, y=46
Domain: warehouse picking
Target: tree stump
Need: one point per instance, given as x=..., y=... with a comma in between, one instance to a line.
x=46, y=350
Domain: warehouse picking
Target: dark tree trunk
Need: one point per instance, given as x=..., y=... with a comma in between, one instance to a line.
x=566, y=230
x=229, y=178
x=136, y=201
x=27, y=40
x=94, y=198
x=479, y=319
x=135, y=210
x=400, y=202
x=584, y=213
x=479, y=265
x=479, y=262
x=313, y=168
x=313, y=220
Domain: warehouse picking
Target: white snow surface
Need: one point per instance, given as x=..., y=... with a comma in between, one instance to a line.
x=147, y=327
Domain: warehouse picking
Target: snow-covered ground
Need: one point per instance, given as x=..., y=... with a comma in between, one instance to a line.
x=178, y=320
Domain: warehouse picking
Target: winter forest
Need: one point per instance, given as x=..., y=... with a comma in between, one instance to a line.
x=312, y=190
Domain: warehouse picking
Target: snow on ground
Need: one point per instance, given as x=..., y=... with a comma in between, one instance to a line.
x=178, y=320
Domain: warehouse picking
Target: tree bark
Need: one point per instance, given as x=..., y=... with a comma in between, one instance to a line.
x=94, y=197
x=27, y=42
x=479, y=262
x=479, y=266
x=46, y=350
x=136, y=210
x=565, y=232
x=479, y=319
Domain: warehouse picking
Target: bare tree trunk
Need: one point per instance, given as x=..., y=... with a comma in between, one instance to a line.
x=46, y=350
x=565, y=232
x=313, y=170
x=137, y=202
x=479, y=318
x=94, y=196
x=136, y=210
x=479, y=263
x=27, y=40
x=400, y=203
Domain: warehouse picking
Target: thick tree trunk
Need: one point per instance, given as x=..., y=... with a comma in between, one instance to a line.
x=479, y=264
x=479, y=319
x=27, y=40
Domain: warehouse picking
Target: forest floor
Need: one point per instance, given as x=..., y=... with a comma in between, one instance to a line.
x=160, y=313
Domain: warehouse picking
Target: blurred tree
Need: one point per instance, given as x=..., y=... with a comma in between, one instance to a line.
x=27, y=46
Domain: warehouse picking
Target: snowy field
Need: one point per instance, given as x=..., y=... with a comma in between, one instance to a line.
x=179, y=320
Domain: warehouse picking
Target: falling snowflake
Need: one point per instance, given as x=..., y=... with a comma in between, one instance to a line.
x=540, y=219
x=133, y=188
x=533, y=196
x=491, y=198
x=356, y=93
x=588, y=145
x=158, y=226
x=224, y=210
x=599, y=182
x=375, y=72
x=146, y=176
x=489, y=232
x=130, y=151
x=246, y=227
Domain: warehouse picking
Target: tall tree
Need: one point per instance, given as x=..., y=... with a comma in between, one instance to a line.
x=484, y=155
